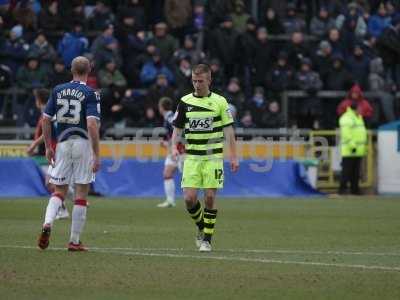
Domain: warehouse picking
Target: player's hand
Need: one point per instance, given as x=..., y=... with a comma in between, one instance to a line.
x=164, y=144
x=175, y=153
x=96, y=164
x=50, y=156
x=30, y=150
x=234, y=164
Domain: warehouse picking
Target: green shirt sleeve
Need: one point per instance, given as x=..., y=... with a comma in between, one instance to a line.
x=226, y=115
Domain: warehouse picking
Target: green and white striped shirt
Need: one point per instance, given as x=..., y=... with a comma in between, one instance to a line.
x=203, y=120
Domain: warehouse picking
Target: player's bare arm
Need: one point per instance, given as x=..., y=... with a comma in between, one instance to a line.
x=30, y=150
x=229, y=134
x=47, y=140
x=93, y=130
x=176, y=138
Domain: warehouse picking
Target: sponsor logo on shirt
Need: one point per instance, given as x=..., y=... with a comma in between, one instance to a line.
x=201, y=124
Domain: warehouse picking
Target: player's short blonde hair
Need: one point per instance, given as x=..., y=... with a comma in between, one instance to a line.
x=201, y=69
x=80, y=66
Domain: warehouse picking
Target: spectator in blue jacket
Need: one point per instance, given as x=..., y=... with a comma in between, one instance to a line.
x=72, y=44
x=378, y=22
x=14, y=50
x=152, y=68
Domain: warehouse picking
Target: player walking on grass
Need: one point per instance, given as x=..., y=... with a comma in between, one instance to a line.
x=41, y=97
x=171, y=164
x=76, y=108
x=205, y=119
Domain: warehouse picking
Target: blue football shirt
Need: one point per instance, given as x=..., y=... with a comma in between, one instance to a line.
x=71, y=104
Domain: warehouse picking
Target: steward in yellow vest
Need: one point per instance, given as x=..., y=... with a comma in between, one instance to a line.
x=353, y=146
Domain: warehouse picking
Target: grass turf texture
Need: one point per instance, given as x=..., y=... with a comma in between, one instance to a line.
x=264, y=249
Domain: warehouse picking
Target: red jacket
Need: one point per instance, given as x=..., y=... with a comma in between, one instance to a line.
x=363, y=107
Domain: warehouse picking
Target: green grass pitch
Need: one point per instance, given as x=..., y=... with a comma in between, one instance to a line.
x=347, y=248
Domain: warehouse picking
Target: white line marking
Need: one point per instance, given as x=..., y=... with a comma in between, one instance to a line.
x=278, y=251
x=224, y=258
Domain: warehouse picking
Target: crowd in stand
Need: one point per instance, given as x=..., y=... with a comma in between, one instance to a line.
x=143, y=50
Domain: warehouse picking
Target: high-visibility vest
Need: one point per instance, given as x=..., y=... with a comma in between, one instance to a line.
x=353, y=134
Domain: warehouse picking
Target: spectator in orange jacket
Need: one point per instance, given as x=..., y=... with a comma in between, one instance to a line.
x=363, y=107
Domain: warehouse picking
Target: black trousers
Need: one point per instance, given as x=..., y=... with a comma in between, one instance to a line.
x=351, y=167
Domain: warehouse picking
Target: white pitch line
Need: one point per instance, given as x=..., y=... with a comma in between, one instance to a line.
x=278, y=251
x=223, y=258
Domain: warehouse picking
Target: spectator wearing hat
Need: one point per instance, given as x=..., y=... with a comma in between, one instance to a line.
x=263, y=56
x=110, y=51
x=358, y=65
x=362, y=106
x=101, y=16
x=309, y=109
x=72, y=44
x=234, y=93
x=321, y=24
x=178, y=14
x=239, y=17
x=379, y=21
x=281, y=76
x=337, y=78
x=154, y=67
x=14, y=50
x=272, y=22
x=100, y=41
x=59, y=74
x=183, y=76
x=217, y=75
x=222, y=42
x=42, y=49
x=165, y=42
x=323, y=59
x=352, y=24
x=292, y=22
x=50, y=19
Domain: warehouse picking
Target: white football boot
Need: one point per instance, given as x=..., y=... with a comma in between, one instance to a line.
x=166, y=204
x=205, y=246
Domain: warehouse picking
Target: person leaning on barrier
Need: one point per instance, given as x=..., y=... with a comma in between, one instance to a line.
x=353, y=146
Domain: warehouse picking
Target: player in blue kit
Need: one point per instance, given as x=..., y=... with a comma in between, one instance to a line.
x=76, y=109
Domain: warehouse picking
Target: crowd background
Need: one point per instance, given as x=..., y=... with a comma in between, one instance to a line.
x=143, y=50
